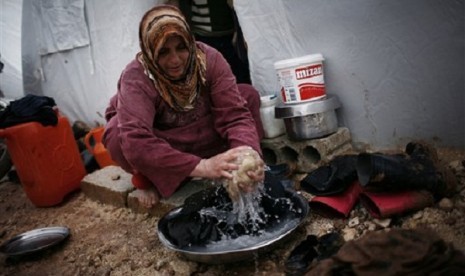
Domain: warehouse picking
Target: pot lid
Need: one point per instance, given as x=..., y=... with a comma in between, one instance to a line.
x=34, y=240
x=306, y=108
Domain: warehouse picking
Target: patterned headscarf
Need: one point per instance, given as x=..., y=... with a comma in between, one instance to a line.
x=156, y=26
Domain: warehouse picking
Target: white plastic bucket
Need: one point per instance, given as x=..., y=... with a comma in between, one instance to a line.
x=301, y=78
x=272, y=127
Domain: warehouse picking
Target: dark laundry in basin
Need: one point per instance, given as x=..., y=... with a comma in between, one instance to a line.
x=192, y=227
x=207, y=219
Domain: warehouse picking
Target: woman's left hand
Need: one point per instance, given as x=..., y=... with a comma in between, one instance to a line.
x=256, y=176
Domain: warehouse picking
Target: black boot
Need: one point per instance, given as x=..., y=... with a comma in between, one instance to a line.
x=383, y=173
x=333, y=178
x=422, y=150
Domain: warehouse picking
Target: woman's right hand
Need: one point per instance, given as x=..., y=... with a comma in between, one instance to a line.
x=218, y=166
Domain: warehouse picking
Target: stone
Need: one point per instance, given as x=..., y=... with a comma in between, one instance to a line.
x=446, y=204
x=349, y=234
x=384, y=223
x=353, y=222
x=109, y=185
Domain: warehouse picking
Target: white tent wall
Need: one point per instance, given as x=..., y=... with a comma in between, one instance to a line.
x=11, y=80
x=397, y=66
x=83, y=78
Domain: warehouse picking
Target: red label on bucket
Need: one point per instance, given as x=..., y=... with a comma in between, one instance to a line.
x=311, y=91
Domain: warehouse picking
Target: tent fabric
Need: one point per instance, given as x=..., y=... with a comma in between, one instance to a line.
x=11, y=80
x=62, y=25
x=401, y=60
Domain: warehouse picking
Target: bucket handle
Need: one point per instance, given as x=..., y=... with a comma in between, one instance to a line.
x=87, y=142
x=96, y=134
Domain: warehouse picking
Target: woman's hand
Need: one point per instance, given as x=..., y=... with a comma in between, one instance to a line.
x=256, y=176
x=219, y=166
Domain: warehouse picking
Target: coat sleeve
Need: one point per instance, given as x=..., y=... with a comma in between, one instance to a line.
x=146, y=153
x=233, y=120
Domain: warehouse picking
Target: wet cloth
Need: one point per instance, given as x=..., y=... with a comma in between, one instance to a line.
x=145, y=135
x=30, y=108
x=248, y=160
x=397, y=252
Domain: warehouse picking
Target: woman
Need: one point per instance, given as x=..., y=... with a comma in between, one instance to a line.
x=178, y=112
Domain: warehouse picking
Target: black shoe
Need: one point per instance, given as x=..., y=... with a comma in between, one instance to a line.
x=328, y=245
x=312, y=248
x=301, y=256
x=333, y=178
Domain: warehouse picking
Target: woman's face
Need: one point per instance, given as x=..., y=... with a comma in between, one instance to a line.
x=173, y=57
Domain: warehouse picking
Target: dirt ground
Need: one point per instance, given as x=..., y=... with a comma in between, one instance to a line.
x=106, y=240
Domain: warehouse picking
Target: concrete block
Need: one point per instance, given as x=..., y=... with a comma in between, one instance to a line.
x=306, y=155
x=112, y=185
x=109, y=185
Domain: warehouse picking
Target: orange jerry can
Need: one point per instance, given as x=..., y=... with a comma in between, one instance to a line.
x=93, y=141
x=46, y=159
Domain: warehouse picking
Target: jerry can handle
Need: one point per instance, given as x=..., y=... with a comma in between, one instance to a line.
x=87, y=142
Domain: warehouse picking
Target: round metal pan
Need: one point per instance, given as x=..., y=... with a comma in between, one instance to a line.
x=205, y=254
x=34, y=240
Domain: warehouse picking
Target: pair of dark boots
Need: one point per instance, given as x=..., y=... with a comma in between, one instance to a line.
x=418, y=169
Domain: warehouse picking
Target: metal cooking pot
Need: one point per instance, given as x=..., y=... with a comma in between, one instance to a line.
x=311, y=119
x=210, y=255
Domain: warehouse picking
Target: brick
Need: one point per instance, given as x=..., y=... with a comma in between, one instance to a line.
x=109, y=185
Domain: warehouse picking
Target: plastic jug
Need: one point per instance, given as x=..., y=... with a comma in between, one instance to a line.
x=93, y=141
x=46, y=159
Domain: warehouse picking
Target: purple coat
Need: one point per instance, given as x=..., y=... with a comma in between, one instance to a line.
x=144, y=135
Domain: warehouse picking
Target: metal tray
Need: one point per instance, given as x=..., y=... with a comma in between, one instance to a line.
x=34, y=240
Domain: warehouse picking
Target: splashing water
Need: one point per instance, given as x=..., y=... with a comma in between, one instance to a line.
x=257, y=225
x=245, y=241
x=248, y=209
